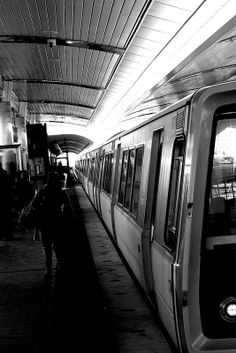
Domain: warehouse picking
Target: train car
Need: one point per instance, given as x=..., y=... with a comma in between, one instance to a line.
x=167, y=192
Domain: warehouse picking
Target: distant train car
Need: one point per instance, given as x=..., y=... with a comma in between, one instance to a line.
x=167, y=192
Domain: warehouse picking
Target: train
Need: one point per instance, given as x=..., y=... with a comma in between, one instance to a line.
x=166, y=191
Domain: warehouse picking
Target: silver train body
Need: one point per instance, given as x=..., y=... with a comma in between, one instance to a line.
x=166, y=191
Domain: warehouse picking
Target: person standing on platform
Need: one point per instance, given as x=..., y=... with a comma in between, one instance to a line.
x=24, y=190
x=6, y=195
x=50, y=206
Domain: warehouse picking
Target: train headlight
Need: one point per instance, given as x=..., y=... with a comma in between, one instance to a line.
x=228, y=309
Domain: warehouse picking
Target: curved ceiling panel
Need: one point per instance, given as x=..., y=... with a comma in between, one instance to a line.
x=69, y=143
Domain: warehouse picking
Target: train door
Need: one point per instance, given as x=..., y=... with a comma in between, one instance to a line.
x=205, y=289
x=148, y=230
x=170, y=264
x=217, y=284
x=165, y=230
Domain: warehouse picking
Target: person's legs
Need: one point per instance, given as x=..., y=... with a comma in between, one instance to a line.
x=48, y=257
x=58, y=245
x=47, y=247
x=58, y=249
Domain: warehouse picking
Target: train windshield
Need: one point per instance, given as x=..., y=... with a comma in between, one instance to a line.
x=221, y=216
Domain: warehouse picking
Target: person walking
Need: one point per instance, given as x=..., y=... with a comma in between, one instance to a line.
x=50, y=206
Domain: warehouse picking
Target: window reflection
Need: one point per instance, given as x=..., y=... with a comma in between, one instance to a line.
x=222, y=205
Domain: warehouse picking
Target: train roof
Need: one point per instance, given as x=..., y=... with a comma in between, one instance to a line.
x=182, y=102
x=172, y=107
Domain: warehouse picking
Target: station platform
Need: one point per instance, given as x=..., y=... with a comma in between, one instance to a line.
x=91, y=305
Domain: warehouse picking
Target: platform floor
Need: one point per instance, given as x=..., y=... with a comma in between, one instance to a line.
x=92, y=305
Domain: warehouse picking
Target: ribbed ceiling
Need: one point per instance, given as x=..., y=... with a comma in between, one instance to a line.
x=71, y=60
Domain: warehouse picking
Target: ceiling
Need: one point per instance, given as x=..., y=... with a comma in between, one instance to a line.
x=73, y=61
x=68, y=143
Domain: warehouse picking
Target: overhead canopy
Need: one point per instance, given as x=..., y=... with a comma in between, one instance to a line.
x=74, y=62
x=67, y=143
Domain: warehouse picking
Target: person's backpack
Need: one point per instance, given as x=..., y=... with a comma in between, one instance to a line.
x=31, y=213
x=27, y=216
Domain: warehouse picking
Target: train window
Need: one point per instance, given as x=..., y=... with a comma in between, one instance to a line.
x=221, y=214
x=87, y=167
x=91, y=169
x=174, y=193
x=154, y=173
x=96, y=169
x=107, y=172
x=104, y=171
x=123, y=177
x=137, y=180
x=100, y=170
x=129, y=180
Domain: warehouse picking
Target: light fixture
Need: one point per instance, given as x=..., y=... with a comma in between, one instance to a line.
x=52, y=42
x=228, y=309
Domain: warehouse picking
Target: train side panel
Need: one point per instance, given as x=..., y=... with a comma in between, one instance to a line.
x=90, y=190
x=106, y=185
x=105, y=202
x=128, y=227
x=128, y=234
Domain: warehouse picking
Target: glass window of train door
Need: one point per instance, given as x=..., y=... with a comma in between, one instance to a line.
x=174, y=194
x=109, y=172
x=86, y=166
x=96, y=170
x=116, y=174
x=137, y=180
x=102, y=169
x=220, y=206
x=123, y=177
x=106, y=173
x=92, y=169
x=157, y=143
x=129, y=179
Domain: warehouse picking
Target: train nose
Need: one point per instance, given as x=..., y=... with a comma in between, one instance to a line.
x=228, y=309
